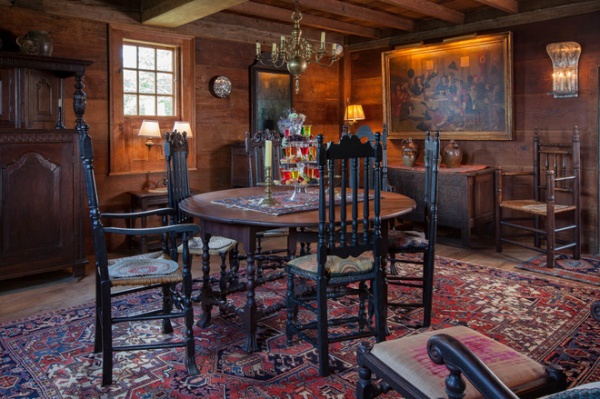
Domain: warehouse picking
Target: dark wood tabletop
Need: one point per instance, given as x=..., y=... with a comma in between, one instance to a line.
x=202, y=207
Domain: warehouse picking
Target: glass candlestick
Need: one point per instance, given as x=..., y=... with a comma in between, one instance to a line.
x=268, y=199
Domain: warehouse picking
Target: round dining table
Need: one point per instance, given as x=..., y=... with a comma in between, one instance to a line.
x=216, y=217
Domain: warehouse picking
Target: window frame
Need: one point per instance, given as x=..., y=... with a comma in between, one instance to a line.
x=128, y=152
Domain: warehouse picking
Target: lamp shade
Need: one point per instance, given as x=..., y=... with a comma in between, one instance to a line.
x=354, y=112
x=150, y=129
x=183, y=126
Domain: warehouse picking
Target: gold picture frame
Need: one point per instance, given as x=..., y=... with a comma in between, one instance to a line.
x=463, y=88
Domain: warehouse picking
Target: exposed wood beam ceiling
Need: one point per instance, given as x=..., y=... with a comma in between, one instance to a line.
x=369, y=23
x=174, y=13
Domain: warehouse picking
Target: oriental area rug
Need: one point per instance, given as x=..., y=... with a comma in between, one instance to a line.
x=50, y=356
x=586, y=269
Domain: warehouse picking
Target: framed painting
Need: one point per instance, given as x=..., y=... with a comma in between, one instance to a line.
x=271, y=96
x=462, y=88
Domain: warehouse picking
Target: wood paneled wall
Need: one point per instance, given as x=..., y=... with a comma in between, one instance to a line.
x=221, y=122
x=534, y=106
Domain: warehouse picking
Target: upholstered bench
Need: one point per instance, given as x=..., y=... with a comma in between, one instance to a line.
x=404, y=365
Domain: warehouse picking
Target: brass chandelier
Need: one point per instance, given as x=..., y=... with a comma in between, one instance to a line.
x=298, y=52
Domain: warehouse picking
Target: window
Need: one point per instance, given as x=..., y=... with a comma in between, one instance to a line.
x=149, y=70
x=148, y=80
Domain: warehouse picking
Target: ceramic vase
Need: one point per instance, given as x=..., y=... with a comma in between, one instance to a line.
x=35, y=42
x=410, y=153
x=452, y=154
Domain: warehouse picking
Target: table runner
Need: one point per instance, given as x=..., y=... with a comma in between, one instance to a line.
x=284, y=204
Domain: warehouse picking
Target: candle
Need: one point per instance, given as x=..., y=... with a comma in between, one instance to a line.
x=333, y=49
x=268, y=153
x=257, y=49
x=322, y=40
x=60, y=102
x=274, y=48
x=282, y=42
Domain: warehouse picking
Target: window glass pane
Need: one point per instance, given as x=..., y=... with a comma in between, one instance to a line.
x=129, y=81
x=164, y=83
x=147, y=58
x=130, y=104
x=147, y=82
x=164, y=60
x=130, y=56
x=165, y=106
x=147, y=105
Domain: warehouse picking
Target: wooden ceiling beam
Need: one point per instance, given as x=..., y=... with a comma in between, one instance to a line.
x=360, y=13
x=174, y=13
x=284, y=15
x=428, y=8
x=509, y=6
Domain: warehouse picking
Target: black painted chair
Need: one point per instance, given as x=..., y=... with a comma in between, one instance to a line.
x=178, y=186
x=418, y=272
x=550, y=213
x=348, y=257
x=493, y=370
x=138, y=273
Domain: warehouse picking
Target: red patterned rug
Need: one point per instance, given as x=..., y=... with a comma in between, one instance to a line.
x=50, y=356
x=586, y=269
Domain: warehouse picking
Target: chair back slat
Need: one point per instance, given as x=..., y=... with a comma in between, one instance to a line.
x=349, y=217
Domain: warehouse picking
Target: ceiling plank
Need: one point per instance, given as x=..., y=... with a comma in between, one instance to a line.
x=509, y=6
x=431, y=9
x=174, y=13
x=361, y=13
x=524, y=17
x=280, y=14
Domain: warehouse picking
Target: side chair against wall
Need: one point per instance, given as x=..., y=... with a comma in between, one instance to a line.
x=493, y=370
x=403, y=272
x=348, y=257
x=552, y=214
x=143, y=272
x=178, y=187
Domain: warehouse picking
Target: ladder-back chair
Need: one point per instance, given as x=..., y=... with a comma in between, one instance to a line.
x=551, y=215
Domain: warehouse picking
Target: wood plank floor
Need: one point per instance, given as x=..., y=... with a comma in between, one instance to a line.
x=28, y=296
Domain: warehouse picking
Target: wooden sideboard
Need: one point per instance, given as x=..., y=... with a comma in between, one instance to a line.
x=465, y=195
x=41, y=189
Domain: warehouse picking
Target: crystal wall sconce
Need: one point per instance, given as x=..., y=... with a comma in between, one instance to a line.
x=565, y=61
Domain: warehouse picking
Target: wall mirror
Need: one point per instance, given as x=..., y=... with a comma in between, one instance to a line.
x=271, y=95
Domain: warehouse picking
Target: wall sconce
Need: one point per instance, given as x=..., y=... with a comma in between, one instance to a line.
x=151, y=130
x=354, y=112
x=183, y=127
x=565, y=61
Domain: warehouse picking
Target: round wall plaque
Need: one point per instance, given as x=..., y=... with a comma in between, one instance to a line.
x=221, y=86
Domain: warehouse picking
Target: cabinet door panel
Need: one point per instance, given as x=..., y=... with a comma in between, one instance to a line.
x=38, y=203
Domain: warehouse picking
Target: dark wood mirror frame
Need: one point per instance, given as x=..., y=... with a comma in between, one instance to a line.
x=271, y=94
